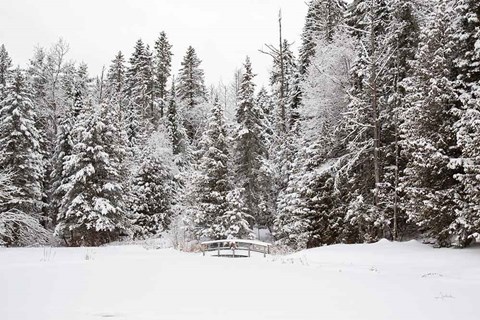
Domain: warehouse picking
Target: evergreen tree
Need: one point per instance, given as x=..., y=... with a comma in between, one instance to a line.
x=116, y=76
x=283, y=78
x=401, y=41
x=213, y=185
x=65, y=142
x=139, y=85
x=36, y=75
x=152, y=194
x=266, y=104
x=429, y=137
x=92, y=210
x=162, y=68
x=5, y=69
x=175, y=128
x=252, y=170
x=191, y=84
x=20, y=153
x=137, y=95
x=236, y=220
x=467, y=71
x=191, y=92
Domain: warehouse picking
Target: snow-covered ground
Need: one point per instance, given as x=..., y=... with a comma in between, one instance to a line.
x=405, y=281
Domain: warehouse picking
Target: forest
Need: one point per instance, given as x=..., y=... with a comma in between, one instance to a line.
x=370, y=131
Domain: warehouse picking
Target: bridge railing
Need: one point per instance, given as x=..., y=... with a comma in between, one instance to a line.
x=236, y=245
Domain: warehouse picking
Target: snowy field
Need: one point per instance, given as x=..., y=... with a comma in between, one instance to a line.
x=405, y=281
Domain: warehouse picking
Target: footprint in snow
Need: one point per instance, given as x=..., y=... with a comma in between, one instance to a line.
x=432, y=274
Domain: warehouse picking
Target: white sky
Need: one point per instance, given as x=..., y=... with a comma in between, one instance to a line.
x=222, y=31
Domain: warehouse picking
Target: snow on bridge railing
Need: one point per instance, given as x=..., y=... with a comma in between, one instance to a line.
x=236, y=245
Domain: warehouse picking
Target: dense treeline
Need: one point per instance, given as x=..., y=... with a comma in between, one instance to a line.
x=371, y=132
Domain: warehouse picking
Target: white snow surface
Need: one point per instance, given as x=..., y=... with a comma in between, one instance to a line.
x=372, y=281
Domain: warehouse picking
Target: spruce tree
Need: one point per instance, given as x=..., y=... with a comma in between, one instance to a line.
x=92, y=211
x=467, y=72
x=265, y=102
x=430, y=142
x=401, y=40
x=162, y=68
x=152, y=194
x=65, y=143
x=191, y=88
x=174, y=124
x=236, y=220
x=5, y=69
x=284, y=88
x=213, y=185
x=21, y=153
x=252, y=169
x=36, y=72
x=191, y=92
x=116, y=76
x=139, y=85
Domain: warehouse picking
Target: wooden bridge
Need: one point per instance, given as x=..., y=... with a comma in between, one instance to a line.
x=236, y=246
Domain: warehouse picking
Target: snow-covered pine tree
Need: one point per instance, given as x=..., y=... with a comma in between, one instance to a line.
x=429, y=143
x=65, y=141
x=136, y=95
x=236, y=220
x=20, y=154
x=162, y=69
x=139, y=92
x=250, y=156
x=115, y=93
x=151, y=113
x=191, y=92
x=284, y=88
x=63, y=148
x=265, y=102
x=92, y=211
x=221, y=211
x=174, y=124
x=322, y=18
x=5, y=69
x=401, y=43
x=467, y=70
x=291, y=227
x=76, y=83
x=212, y=183
x=191, y=88
x=115, y=83
x=152, y=189
x=36, y=75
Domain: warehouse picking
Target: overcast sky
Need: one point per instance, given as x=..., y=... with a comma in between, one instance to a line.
x=222, y=31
